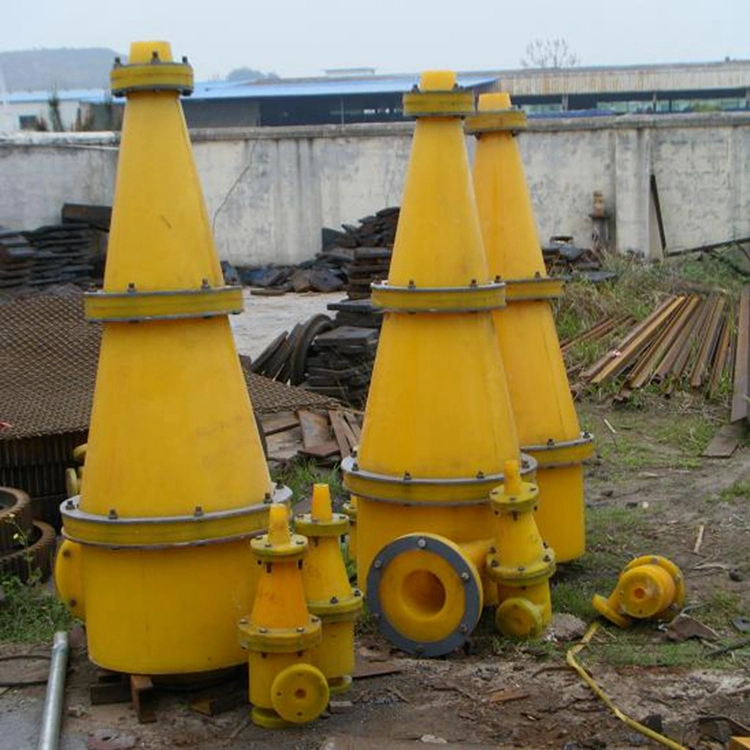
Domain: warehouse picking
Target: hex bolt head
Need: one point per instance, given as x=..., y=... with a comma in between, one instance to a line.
x=262, y=630
x=70, y=505
x=243, y=620
x=465, y=577
x=407, y=476
x=376, y=615
x=464, y=629
x=421, y=543
x=112, y=515
x=198, y=510
x=355, y=466
x=378, y=564
x=300, y=629
x=334, y=600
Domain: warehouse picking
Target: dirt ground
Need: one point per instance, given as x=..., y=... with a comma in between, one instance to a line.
x=647, y=491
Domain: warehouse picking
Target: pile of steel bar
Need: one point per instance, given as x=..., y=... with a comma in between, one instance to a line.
x=687, y=341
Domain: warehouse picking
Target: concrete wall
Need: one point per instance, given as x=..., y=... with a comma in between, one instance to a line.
x=270, y=190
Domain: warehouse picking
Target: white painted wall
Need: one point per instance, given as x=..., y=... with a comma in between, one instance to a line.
x=270, y=190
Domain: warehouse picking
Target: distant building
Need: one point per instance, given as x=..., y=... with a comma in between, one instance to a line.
x=357, y=95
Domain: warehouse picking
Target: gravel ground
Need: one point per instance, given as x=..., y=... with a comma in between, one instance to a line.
x=264, y=318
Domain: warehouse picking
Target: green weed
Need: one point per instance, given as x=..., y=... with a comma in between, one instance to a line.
x=300, y=476
x=30, y=613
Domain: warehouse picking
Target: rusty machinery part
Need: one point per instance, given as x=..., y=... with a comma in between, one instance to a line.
x=425, y=491
x=529, y=290
x=559, y=453
x=455, y=102
x=36, y=555
x=135, y=307
x=292, y=342
x=16, y=518
x=425, y=594
x=258, y=365
x=473, y=297
x=314, y=327
x=152, y=76
x=512, y=119
x=198, y=529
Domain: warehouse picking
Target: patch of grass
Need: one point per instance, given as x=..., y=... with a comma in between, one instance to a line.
x=30, y=612
x=719, y=609
x=300, y=476
x=636, y=649
x=740, y=490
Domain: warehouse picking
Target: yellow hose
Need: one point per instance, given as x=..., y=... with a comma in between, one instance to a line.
x=586, y=677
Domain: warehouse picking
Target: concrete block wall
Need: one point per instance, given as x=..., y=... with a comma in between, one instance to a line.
x=270, y=190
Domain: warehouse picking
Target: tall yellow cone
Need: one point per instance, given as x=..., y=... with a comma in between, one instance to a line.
x=545, y=417
x=438, y=423
x=176, y=480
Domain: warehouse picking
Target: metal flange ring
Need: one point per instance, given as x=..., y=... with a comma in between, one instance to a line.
x=425, y=594
x=136, y=307
x=160, y=532
x=527, y=290
x=152, y=76
x=453, y=103
x=557, y=454
x=413, y=299
x=512, y=120
x=422, y=491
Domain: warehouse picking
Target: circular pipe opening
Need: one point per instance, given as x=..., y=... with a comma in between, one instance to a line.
x=424, y=592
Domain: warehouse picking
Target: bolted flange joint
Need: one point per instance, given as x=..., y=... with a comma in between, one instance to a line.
x=155, y=75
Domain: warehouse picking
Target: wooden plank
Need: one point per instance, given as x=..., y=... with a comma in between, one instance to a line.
x=321, y=450
x=351, y=420
x=315, y=428
x=338, y=426
x=741, y=392
x=280, y=422
x=284, y=445
x=725, y=441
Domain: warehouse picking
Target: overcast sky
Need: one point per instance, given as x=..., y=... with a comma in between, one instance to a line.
x=293, y=37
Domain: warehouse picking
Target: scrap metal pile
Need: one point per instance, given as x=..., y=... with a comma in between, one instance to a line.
x=688, y=341
x=55, y=254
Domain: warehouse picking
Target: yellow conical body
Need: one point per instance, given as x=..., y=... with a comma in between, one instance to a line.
x=175, y=475
x=438, y=423
x=520, y=562
x=280, y=633
x=545, y=417
x=327, y=590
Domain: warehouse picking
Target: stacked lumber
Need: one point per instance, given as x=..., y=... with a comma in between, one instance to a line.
x=340, y=363
x=368, y=248
x=16, y=259
x=57, y=254
x=360, y=312
x=686, y=342
x=325, y=436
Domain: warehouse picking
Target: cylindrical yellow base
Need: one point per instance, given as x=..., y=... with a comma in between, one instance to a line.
x=335, y=655
x=136, y=602
x=560, y=510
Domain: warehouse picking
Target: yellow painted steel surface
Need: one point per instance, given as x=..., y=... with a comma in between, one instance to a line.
x=328, y=592
x=438, y=423
x=280, y=634
x=173, y=446
x=520, y=562
x=649, y=588
x=542, y=405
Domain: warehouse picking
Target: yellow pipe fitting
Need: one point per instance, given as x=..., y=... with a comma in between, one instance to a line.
x=327, y=590
x=438, y=423
x=280, y=634
x=519, y=562
x=175, y=477
x=545, y=417
x=350, y=511
x=649, y=588
x=69, y=578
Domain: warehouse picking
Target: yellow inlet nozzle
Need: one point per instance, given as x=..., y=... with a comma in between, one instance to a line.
x=327, y=590
x=278, y=527
x=519, y=562
x=649, y=588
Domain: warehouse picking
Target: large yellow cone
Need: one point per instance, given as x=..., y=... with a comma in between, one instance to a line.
x=545, y=417
x=438, y=424
x=176, y=480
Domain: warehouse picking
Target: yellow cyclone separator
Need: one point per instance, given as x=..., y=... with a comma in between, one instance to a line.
x=545, y=417
x=176, y=480
x=438, y=422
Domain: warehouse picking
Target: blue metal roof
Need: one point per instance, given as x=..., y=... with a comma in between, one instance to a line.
x=80, y=95
x=321, y=87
